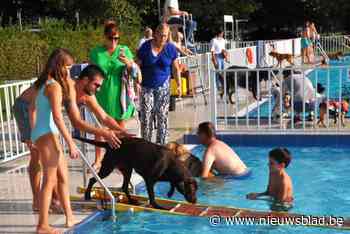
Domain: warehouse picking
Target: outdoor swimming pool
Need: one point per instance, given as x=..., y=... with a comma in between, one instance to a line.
x=338, y=77
x=320, y=188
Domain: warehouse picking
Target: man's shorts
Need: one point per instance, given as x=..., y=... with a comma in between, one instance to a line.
x=21, y=113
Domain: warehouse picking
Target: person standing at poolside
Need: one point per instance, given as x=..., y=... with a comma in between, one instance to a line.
x=113, y=59
x=306, y=44
x=24, y=113
x=174, y=16
x=53, y=88
x=148, y=35
x=157, y=59
x=219, y=156
x=314, y=34
x=219, y=55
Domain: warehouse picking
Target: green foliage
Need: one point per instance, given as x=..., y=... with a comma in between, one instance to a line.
x=23, y=54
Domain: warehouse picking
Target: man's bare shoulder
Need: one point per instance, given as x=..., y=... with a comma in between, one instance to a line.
x=90, y=100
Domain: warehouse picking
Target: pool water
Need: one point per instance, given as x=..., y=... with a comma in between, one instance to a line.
x=339, y=80
x=321, y=187
x=154, y=223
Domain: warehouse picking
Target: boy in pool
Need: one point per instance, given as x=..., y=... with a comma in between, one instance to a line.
x=219, y=156
x=280, y=184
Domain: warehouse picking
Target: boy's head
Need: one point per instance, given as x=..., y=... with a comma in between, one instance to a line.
x=205, y=132
x=279, y=159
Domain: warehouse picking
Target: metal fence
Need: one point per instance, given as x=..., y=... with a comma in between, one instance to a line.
x=204, y=47
x=224, y=114
x=239, y=110
x=336, y=43
x=11, y=145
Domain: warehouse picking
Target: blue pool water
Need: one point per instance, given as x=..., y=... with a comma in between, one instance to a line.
x=321, y=187
x=339, y=78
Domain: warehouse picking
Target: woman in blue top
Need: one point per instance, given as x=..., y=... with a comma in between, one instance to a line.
x=157, y=59
x=53, y=87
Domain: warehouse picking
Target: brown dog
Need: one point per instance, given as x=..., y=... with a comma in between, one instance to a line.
x=335, y=56
x=191, y=162
x=333, y=109
x=280, y=57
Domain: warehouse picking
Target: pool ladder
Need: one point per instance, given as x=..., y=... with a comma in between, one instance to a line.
x=322, y=51
x=109, y=193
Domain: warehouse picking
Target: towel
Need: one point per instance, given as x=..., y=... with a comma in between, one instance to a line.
x=128, y=95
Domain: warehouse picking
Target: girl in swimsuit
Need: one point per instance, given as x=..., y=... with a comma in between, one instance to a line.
x=53, y=87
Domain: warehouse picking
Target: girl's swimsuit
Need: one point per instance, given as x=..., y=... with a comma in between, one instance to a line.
x=305, y=42
x=44, y=120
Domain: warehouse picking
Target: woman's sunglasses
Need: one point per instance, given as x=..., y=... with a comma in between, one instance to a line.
x=113, y=38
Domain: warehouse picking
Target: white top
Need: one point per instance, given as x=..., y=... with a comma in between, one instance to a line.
x=173, y=4
x=299, y=81
x=217, y=45
x=143, y=40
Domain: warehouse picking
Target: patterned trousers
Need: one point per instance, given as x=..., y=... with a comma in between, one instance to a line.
x=155, y=103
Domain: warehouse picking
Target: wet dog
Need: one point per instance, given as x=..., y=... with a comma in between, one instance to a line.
x=191, y=162
x=153, y=162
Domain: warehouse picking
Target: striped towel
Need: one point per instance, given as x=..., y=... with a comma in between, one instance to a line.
x=128, y=94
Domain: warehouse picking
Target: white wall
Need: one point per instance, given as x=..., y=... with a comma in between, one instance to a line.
x=238, y=57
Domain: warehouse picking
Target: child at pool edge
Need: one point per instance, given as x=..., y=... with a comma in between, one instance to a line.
x=280, y=184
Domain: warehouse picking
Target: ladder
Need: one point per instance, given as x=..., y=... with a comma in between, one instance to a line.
x=108, y=191
x=322, y=51
x=97, y=122
x=193, y=47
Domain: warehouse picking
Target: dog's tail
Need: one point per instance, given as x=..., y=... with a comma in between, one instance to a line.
x=93, y=142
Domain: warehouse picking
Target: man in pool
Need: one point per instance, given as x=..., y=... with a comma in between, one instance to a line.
x=218, y=155
x=280, y=187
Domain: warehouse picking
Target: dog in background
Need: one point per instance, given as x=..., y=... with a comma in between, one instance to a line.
x=281, y=57
x=336, y=56
x=333, y=109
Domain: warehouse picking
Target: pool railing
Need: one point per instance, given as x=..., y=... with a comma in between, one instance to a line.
x=233, y=110
x=11, y=145
x=200, y=64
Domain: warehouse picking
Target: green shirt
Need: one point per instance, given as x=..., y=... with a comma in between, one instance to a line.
x=109, y=94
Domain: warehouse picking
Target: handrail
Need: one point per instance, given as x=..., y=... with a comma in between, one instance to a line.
x=347, y=39
x=322, y=51
x=109, y=193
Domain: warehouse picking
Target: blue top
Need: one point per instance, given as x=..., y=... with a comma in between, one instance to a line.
x=44, y=120
x=156, y=69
